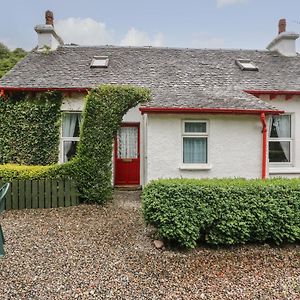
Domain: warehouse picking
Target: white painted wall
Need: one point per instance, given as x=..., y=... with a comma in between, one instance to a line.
x=235, y=146
x=73, y=103
x=289, y=106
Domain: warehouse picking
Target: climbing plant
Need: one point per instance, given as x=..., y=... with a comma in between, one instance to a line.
x=29, y=134
x=102, y=117
x=29, y=128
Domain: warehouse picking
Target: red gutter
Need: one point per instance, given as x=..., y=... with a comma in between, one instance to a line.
x=264, y=146
x=272, y=92
x=13, y=89
x=181, y=110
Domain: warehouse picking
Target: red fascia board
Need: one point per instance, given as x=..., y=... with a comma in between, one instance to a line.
x=272, y=92
x=29, y=89
x=181, y=110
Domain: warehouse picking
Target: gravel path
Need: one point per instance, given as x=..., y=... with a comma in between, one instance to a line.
x=94, y=252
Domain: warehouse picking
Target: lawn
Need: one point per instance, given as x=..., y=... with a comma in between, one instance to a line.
x=95, y=252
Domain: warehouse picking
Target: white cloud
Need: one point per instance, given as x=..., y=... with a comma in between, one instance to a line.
x=90, y=32
x=222, y=3
x=203, y=40
x=84, y=31
x=135, y=37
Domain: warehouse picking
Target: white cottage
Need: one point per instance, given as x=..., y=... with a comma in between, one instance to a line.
x=214, y=113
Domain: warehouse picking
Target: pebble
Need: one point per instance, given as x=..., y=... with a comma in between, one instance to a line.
x=96, y=252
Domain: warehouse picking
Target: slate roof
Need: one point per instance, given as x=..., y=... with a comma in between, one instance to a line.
x=194, y=78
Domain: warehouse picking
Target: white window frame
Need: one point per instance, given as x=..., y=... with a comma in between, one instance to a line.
x=291, y=140
x=66, y=139
x=99, y=62
x=195, y=166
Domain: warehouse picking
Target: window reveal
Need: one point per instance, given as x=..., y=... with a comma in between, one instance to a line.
x=280, y=139
x=70, y=134
x=195, y=145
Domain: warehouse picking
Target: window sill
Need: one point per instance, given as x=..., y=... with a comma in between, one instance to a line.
x=285, y=170
x=194, y=167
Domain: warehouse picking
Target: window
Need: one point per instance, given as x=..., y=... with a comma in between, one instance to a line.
x=99, y=62
x=246, y=65
x=194, y=141
x=280, y=139
x=70, y=134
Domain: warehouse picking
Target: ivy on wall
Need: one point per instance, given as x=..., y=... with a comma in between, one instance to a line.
x=29, y=128
x=29, y=134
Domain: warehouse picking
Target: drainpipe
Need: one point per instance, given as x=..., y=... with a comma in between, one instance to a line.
x=264, y=146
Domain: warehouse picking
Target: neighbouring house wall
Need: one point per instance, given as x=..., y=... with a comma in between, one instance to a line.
x=235, y=146
x=290, y=106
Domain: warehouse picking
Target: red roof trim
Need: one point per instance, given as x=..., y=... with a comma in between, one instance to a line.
x=182, y=110
x=271, y=92
x=12, y=89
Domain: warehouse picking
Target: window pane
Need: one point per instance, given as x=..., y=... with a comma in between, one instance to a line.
x=128, y=142
x=70, y=148
x=198, y=127
x=280, y=127
x=71, y=124
x=279, y=152
x=194, y=150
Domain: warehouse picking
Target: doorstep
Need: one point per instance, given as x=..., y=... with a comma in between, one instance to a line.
x=128, y=187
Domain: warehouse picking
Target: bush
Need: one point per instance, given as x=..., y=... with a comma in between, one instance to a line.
x=224, y=212
x=10, y=172
x=102, y=117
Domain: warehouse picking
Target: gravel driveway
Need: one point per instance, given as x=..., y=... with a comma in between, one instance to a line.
x=94, y=252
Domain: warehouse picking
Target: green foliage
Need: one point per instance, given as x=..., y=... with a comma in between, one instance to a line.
x=29, y=135
x=224, y=212
x=9, y=172
x=9, y=58
x=102, y=117
x=29, y=128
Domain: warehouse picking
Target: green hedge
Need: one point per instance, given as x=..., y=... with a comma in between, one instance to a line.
x=9, y=172
x=29, y=128
x=224, y=212
x=102, y=117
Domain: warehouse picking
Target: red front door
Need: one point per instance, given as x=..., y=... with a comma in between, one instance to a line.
x=127, y=155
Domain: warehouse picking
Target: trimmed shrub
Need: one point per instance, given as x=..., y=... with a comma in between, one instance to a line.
x=29, y=128
x=224, y=212
x=9, y=172
x=102, y=117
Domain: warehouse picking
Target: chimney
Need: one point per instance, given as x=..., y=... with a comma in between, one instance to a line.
x=47, y=37
x=285, y=42
x=49, y=17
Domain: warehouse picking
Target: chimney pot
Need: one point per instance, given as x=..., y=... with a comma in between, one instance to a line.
x=49, y=17
x=282, y=26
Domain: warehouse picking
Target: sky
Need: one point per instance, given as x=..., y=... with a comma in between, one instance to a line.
x=238, y=24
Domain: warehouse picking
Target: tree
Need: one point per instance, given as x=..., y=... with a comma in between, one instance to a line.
x=9, y=58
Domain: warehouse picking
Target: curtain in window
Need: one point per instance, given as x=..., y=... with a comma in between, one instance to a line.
x=128, y=142
x=69, y=150
x=70, y=128
x=71, y=123
x=194, y=150
x=281, y=128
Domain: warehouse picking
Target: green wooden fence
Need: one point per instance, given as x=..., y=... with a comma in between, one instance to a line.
x=40, y=194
